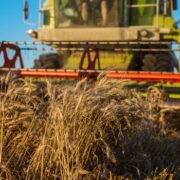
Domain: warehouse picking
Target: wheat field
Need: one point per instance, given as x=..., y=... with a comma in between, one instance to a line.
x=85, y=131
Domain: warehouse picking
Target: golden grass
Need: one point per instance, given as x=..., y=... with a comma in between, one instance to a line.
x=97, y=130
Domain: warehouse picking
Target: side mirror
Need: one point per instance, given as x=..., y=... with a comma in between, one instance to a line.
x=174, y=4
x=26, y=9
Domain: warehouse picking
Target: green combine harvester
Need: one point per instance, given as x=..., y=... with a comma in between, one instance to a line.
x=130, y=35
x=121, y=35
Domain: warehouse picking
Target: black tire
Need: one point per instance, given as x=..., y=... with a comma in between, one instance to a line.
x=159, y=62
x=49, y=61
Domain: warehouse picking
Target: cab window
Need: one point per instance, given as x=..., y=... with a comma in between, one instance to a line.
x=87, y=13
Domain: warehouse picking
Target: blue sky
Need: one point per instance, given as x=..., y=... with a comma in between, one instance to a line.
x=12, y=27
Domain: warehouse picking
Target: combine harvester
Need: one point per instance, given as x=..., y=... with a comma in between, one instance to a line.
x=123, y=39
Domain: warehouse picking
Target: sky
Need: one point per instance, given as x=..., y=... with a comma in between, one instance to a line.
x=12, y=27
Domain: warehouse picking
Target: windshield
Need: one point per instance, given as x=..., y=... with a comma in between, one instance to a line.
x=103, y=13
x=87, y=13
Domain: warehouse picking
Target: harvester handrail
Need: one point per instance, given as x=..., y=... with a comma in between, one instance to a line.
x=94, y=42
x=142, y=5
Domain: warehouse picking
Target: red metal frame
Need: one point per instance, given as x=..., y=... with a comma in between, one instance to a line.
x=10, y=63
x=91, y=55
x=91, y=62
x=70, y=74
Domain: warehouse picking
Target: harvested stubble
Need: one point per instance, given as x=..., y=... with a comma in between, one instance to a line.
x=95, y=130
